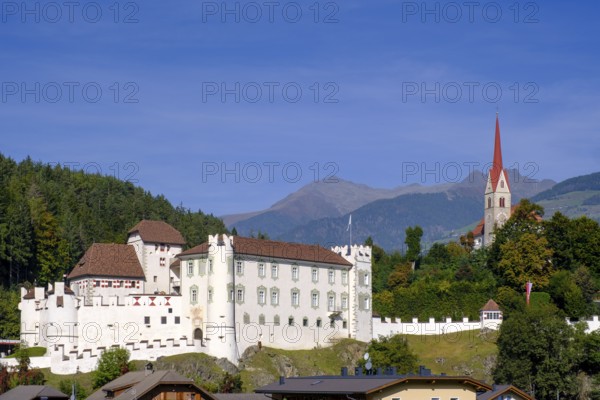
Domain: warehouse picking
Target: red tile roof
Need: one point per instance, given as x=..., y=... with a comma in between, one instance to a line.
x=275, y=249
x=109, y=259
x=478, y=231
x=491, y=305
x=157, y=232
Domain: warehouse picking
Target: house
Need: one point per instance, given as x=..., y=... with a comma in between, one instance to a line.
x=34, y=392
x=423, y=386
x=151, y=385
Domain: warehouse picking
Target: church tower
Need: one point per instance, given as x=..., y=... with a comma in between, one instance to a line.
x=497, y=193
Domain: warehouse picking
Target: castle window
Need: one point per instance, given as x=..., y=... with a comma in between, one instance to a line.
x=274, y=271
x=331, y=302
x=163, y=261
x=291, y=321
x=191, y=267
x=314, y=299
x=210, y=266
x=318, y=322
x=295, y=298
x=177, y=320
x=331, y=276
x=304, y=321
x=163, y=320
x=366, y=279
x=315, y=275
x=194, y=295
x=274, y=297
x=147, y=320
x=345, y=324
x=239, y=268
x=344, y=277
x=295, y=272
x=262, y=296
x=344, y=302
x=261, y=270
x=210, y=295
x=155, y=278
x=240, y=295
x=502, y=184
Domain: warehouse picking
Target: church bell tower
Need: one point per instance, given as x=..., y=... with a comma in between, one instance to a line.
x=497, y=193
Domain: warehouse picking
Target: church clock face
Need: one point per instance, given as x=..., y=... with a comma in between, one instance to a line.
x=501, y=218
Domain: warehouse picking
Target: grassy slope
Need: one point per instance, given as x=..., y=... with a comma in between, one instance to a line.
x=462, y=353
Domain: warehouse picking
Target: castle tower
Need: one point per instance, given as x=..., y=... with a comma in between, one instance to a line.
x=497, y=193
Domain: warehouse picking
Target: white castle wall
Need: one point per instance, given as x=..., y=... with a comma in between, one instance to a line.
x=431, y=327
x=593, y=324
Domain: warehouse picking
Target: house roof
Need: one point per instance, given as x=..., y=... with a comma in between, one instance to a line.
x=364, y=384
x=491, y=305
x=157, y=232
x=499, y=390
x=276, y=249
x=110, y=260
x=30, y=392
x=137, y=383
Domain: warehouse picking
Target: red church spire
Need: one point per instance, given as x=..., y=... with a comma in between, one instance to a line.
x=497, y=166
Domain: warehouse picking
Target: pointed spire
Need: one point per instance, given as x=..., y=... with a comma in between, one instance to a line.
x=497, y=166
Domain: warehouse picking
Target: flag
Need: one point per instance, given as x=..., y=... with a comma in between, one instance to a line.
x=528, y=287
x=349, y=223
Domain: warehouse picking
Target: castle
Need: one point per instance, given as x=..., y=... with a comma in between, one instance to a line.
x=218, y=298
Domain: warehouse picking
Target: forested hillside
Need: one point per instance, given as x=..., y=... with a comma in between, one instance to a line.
x=50, y=215
x=560, y=256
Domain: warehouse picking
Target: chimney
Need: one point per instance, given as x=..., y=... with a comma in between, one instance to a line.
x=149, y=369
x=344, y=371
x=282, y=380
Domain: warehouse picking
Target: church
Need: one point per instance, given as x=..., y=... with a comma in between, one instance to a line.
x=497, y=201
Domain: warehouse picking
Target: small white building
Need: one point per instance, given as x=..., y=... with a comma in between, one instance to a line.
x=217, y=298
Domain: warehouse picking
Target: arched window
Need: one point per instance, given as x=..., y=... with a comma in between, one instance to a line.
x=502, y=184
x=502, y=202
x=489, y=202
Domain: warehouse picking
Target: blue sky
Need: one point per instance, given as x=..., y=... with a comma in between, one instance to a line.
x=229, y=106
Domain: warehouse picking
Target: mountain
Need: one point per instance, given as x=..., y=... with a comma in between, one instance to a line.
x=315, y=201
x=573, y=197
x=318, y=212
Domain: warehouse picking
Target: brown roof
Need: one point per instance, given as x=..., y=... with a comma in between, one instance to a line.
x=32, y=392
x=136, y=384
x=109, y=259
x=157, y=232
x=491, y=305
x=275, y=249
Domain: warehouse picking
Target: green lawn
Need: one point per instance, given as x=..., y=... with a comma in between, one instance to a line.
x=33, y=352
x=469, y=352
